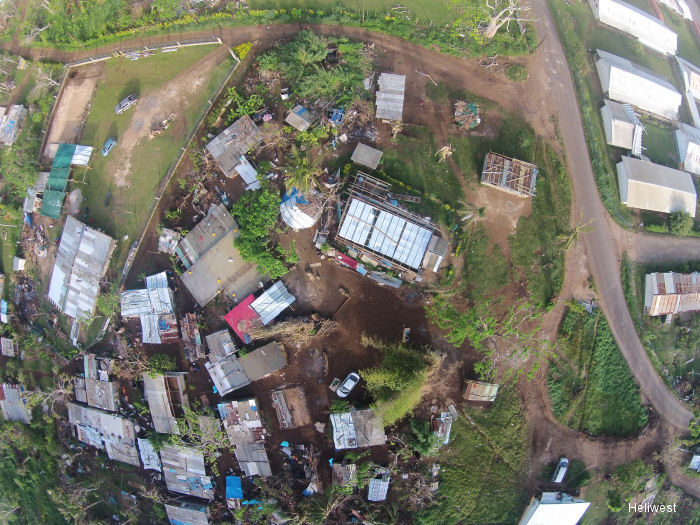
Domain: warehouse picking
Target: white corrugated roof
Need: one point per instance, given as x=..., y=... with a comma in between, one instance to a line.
x=272, y=302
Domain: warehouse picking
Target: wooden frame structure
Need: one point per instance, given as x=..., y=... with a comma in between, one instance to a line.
x=508, y=174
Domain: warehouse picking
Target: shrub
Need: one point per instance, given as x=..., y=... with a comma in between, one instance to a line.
x=517, y=73
x=680, y=223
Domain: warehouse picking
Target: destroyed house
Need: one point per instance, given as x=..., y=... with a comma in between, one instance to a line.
x=372, y=225
x=220, y=346
x=290, y=407
x=653, y=187
x=357, y=429
x=13, y=403
x=155, y=308
x=480, y=392
x=183, y=512
x=629, y=19
x=11, y=121
x=105, y=432
x=390, y=97
x=233, y=373
x=252, y=312
x=82, y=259
x=192, y=338
x=64, y=156
x=95, y=388
x=233, y=143
x=671, y=293
x=301, y=211
x=244, y=428
x=184, y=472
x=511, y=175
x=212, y=263
x=167, y=398
x=168, y=241
x=626, y=82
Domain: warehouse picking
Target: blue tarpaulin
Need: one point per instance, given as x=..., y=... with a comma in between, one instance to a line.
x=234, y=489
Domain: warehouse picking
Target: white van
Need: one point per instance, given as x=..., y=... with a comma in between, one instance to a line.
x=560, y=471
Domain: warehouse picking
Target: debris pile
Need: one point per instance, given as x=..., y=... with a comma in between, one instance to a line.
x=466, y=115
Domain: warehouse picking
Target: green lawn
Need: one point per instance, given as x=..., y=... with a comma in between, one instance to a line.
x=688, y=47
x=124, y=210
x=590, y=385
x=483, y=467
x=440, y=12
x=659, y=144
x=12, y=218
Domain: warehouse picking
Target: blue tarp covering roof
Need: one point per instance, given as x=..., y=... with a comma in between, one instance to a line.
x=234, y=490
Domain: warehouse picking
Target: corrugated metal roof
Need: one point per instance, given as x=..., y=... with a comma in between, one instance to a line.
x=232, y=143
x=184, y=471
x=272, y=302
x=82, y=259
x=220, y=345
x=149, y=456
x=299, y=118
x=390, y=96
x=366, y=156
x=186, y=513
x=263, y=361
x=357, y=429
x=385, y=233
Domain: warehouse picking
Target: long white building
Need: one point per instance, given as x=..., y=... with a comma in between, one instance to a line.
x=627, y=82
x=622, y=126
x=653, y=187
x=688, y=147
x=629, y=19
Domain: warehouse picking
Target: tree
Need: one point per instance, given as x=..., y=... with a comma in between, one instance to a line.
x=444, y=152
x=482, y=20
x=159, y=364
x=46, y=399
x=422, y=439
x=303, y=174
x=680, y=223
x=109, y=303
x=274, y=138
x=570, y=238
x=203, y=433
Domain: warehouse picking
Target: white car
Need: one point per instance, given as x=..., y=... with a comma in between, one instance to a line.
x=560, y=471
x=348, y=384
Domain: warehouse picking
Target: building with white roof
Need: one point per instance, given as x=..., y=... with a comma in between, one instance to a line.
x=648, y=186
x=624, y=81
x=13, y=403
x=629, y=19
x=554, y=508
x=82, y=259
x=301, y=211
x=687, y=140
x=155, y=308
x=671, y=293
x=390, y=96
x=622, y=127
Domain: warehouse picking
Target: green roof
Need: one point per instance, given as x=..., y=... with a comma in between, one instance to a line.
x=52, y=203
x=64, y=156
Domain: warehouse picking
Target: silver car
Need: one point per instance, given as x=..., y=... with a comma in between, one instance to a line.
x=126, y=103
x=348, y=384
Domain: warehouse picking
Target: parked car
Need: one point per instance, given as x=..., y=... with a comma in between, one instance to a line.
x=560, y=471
x=348, y=384
x=109, y=144
x=126, y=103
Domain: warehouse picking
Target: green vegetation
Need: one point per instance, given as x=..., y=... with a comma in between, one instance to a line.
x=106, y=197
x=300, y=64
x=680, y=223
x=159, y=364
x=659, y=144
x=80, y=25
x=256, y=213
x=673, y=348
x=590, y=385
x=536, y=246
x=484, y=467
x=396, y=384
x=422, y=439
x=485, y=269
x=517, y=73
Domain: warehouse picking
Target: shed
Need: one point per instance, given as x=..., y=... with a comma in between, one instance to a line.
x=654, y=187
x=9, y=347
x=512, y=175
x=13, y=403
x=213, y=263
x=624, y=81
x=390, y=96
x=184, y=472
x=183, y=512
x=167, y=397
x=290, y=406
x=687, y=140
x=11, y=121
x=379, y=485
x=82, y=259
x=220, y=345
x=18, y=264
x=436, y=252
x=248, y=173
x=480, y=392
x=366, y=156
x=629, y=19
x=554, y=507
x=622, y=126
x=671, y=293
x=230, y=145
x=299, y=118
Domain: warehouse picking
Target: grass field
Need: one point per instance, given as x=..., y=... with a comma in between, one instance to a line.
x=124, y=210
x=483, y=467
x=688, y=47
x=659, y=143
x=439, y=12
x=485, y=267
x=590, y=385
x=9, y=237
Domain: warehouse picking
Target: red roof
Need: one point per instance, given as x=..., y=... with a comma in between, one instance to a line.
x=241, y=317
x=347, y=261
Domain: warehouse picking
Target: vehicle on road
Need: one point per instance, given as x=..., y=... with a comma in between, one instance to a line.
x=109, y=144
x=560, y=471
x=126, y=103
x=348, y=384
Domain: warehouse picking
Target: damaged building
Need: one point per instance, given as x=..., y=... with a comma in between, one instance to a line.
x=512, y=175
x=192, y=338
x=13, y=403
x=232, y=373
x=95, y=388
x=167, y=398
x=185, y=473
x=229, y=147
x=357, y=429
x=154, y=306
x=243, y=425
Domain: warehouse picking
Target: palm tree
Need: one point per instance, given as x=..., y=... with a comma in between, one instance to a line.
x=467, y=212
x=570, y=237
x=444, y=152
x=302, y=174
